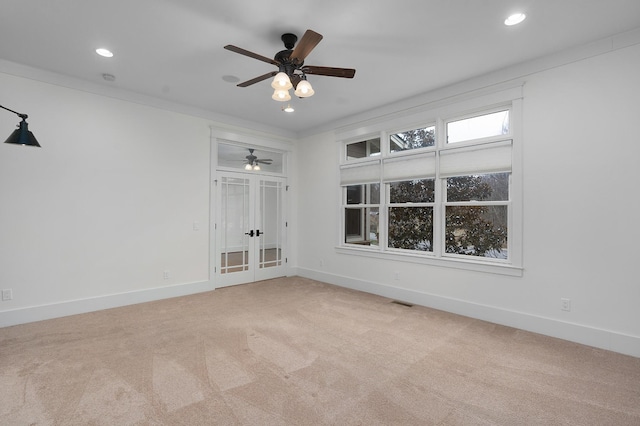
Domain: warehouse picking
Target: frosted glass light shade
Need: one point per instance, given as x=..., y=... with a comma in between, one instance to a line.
x=281, y=81
x=281, y=95
x=304, y=89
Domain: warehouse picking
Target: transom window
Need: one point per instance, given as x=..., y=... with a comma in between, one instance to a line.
x=412, y=139
x=478, y=127
x=363, y=149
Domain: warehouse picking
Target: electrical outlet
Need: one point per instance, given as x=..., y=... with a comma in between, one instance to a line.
x=322, y=263
x=396, y=275
x=565, y=304
x=7, y=294
x=165, y=275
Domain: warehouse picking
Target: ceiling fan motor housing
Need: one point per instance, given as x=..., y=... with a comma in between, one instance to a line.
x=284, y=56
x=289, y=40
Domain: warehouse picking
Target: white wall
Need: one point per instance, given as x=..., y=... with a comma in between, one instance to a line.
x=581, y=241
x=94, y=217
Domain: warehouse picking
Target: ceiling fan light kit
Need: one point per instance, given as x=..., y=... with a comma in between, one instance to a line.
x=292, y=73
x=281, y=95
x=253, y=162
x=281, y=81
x=304, y=89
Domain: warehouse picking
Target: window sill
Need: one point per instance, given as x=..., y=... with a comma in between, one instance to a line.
x=468, y=265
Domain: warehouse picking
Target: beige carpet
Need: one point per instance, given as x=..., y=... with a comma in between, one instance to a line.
x=298, y=352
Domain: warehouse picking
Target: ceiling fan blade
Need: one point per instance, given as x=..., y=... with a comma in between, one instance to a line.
x=251, y=54
x=265, y=161
x=309, y=40
x=329, y=71
x=257, y=79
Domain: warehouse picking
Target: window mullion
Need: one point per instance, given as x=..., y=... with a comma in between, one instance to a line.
x=382, y=215
x=439, y=194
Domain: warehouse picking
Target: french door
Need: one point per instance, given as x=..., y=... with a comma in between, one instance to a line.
x=250, y=228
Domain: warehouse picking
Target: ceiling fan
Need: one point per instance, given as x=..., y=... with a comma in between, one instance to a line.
x=253, y=163
x=291, y=68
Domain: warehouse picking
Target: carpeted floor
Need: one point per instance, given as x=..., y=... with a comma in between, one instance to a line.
x=294, y=351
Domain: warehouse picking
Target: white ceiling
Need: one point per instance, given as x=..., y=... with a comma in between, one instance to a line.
x=173, y=49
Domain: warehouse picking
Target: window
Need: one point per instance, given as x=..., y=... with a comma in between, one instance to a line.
x=362, y=214
x=412, y=139
x=232, y=156
x=410, y=214
x=439, y=192
x=479, y=126
x=476, y=215
x=363, y=149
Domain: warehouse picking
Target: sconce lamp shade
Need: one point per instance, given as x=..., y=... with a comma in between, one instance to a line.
x=281, y=82
x=304, y=89
x=22, y=135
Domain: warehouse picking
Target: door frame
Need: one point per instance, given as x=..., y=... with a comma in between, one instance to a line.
x=283, y=146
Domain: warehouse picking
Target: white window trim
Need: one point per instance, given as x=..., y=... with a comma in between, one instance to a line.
x=511, y=97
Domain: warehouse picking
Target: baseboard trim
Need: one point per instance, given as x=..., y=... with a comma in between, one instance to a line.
x=81, y=306
x=578, y=333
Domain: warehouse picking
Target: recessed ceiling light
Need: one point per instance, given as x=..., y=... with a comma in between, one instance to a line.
x=230, y=78
x=104, y=52
x=515, y=19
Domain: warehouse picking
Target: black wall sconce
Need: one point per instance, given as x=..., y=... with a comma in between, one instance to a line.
x=22, y=135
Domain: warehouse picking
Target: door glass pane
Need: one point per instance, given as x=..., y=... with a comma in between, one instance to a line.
x=269, y=222
x=234, y=225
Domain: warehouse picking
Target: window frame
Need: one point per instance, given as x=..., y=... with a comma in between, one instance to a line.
x=368, y=141
x=509, y=98
x=409, y=204
x=410, y=151
x=364, y=206
x=471, y=203
x=474, y=114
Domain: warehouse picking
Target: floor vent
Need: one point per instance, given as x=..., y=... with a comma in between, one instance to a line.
x=397, y=302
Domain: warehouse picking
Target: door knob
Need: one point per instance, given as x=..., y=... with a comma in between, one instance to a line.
x=250, y=233
x=258, y=232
